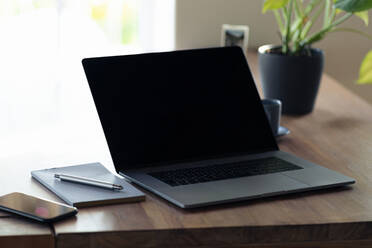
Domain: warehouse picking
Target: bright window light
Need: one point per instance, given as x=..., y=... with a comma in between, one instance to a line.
x=42, y=43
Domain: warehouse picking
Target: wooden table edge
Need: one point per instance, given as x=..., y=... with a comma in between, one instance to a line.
x=261, y=236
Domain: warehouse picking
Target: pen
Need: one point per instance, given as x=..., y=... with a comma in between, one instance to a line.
x=87, y=181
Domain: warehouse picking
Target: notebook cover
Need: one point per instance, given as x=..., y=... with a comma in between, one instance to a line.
x=79, y=195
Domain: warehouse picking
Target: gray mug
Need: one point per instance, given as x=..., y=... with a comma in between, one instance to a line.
x=273, y=109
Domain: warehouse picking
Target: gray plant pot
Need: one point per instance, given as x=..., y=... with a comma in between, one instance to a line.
x=292, y=79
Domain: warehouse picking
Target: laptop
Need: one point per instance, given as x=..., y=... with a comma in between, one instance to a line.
x=190, y=127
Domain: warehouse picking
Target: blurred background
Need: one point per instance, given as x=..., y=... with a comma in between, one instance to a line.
x=44, y=96
x=46, y=110
x=198, y=23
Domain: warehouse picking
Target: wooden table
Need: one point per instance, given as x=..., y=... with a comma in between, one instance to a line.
x=337, y=135
x=16, y=232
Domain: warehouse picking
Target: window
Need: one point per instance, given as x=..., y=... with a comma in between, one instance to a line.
x=42, y=42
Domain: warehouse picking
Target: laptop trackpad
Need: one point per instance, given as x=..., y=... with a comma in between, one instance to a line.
x=235, y=189
x=318, y=176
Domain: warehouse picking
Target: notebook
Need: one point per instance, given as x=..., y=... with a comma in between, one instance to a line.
x=79, y=195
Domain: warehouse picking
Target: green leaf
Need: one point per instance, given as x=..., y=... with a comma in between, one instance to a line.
x=354, y=5
x=339, y=11
x=365, y=74
x=364, y=16
x=273, y=4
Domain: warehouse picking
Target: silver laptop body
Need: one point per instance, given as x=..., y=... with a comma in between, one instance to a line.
x=311, y=177
x=189, y=126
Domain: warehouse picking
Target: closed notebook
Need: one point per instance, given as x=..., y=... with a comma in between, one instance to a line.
x=80, y=195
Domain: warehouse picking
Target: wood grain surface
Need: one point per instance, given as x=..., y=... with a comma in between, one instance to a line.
x=19, y=233
x=337, y=135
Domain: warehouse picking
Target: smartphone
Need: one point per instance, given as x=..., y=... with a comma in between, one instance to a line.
x=35, y=208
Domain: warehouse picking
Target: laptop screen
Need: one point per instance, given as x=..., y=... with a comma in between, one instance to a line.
x=178, y=106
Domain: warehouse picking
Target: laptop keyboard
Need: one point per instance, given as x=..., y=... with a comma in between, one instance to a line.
x=224, y=171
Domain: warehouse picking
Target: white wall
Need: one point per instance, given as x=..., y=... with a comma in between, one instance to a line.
x=198, y=24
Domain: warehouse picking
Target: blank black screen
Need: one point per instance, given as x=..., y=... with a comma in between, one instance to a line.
x=178, y=106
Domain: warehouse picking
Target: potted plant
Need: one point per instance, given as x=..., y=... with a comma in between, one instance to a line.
x=292, y=71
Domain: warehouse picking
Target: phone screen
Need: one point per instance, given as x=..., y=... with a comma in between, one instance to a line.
x=35, y=208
